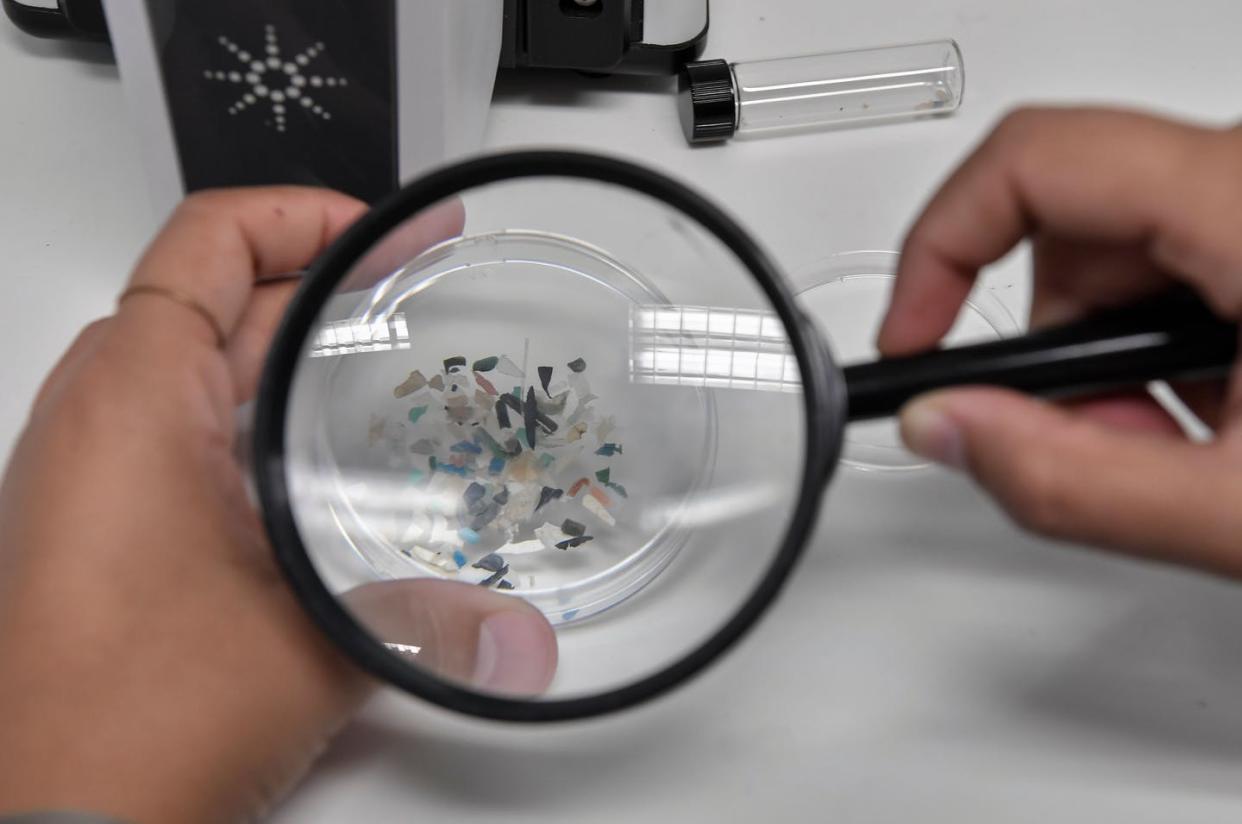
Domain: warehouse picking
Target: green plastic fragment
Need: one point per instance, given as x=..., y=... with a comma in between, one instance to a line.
x=545, y=460
x=604, y=475
x=485, y=364
x=416, y=413
x=619, y=489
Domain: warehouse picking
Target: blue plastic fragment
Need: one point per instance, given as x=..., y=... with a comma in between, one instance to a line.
x=459, y=558
x=610, y=449
x=496, y=466
x=570, y=614
x=452, y=470
x=466, y=447
x=468, y=535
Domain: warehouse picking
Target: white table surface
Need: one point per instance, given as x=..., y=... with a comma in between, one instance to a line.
x=928, y=662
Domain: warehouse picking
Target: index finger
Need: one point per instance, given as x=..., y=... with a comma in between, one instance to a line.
x=1102, y=175
x=217, y=243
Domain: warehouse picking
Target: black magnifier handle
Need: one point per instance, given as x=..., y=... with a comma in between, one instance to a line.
x=1171, y=335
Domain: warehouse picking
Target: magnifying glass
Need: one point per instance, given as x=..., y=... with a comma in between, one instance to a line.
x=567, y=392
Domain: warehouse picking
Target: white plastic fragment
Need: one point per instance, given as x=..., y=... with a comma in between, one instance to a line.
x=508, y=367
x=551, y=535
x=436, y=559
x=597, y=509
x=523, y=548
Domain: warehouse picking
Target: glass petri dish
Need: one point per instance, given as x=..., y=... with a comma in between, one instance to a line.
x=846, y=296
x=397, y=427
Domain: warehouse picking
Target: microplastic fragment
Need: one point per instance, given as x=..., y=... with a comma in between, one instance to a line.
x=618, y=488
x=508, y=367
x=573, y=528
x=485, y=364
x=503, y=404
x=459, y=558
x=375, y=433
x=550, y=535
x=425, y=446
x=522, y=467
x=437, y=383
x=569, y=614
x=466, y=447
x=494, y=578
x=578, y=365
x=485, y=384
x=436, y=559
x=576, y=432
x=502, y=497
x=598, y=494
x=412, y=384
x=606, y=427
x=574, y=543
x=604, y=475
x=490, y=563
x=545, y=423
x=545, y=377
x=496, y=466
x=531, y=414
x=416, y=413
x=578, y=486
x=468, y=535
x=524, y=548
x=474, y=493
x=546, y=460
x=485, y=516
x=504, y=585
x=547, y=495
x=610, y=449
x=456, y=360
x=597, y=509
x=555, y=406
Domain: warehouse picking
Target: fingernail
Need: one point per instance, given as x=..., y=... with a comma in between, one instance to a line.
x=516, y=654
x=930, y=432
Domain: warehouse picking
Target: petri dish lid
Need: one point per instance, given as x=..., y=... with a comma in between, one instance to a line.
x=846, y=295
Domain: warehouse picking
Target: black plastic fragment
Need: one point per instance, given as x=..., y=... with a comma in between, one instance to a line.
x=573, y=528
x=531, y=415
x=547, y=495
x=495, y=576
x=578, y=365
x=545, y=378
x=491, y=563
x=473, y=494
x=503, y=404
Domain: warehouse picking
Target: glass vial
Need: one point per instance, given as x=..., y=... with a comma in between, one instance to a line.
x=720, y=100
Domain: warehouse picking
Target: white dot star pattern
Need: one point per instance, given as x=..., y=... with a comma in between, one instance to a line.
x=275, y=79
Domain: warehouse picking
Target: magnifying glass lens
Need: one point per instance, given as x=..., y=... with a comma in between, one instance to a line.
x=543, y=441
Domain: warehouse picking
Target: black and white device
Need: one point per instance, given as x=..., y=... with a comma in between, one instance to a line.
x=357, y=95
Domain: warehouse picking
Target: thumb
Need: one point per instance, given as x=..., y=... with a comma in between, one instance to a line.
x=1076, y=479
x=462, y=632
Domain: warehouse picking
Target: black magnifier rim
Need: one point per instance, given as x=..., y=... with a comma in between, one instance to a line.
x=823, y=396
